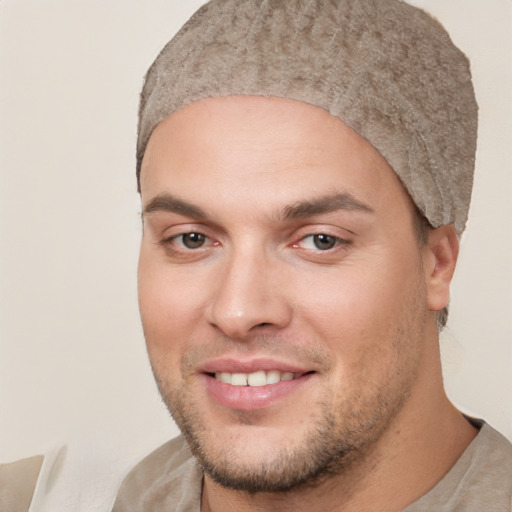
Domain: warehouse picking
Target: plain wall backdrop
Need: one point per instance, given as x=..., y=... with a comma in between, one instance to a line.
x=73, y=366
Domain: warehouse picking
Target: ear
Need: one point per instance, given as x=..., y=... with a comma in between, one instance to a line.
x=441, y=255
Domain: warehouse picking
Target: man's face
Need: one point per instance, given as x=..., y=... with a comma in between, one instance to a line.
x=281, y=287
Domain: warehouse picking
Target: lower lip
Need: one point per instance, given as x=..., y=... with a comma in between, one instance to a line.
x=252, y=398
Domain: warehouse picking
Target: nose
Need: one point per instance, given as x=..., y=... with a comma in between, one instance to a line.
x=250, y=296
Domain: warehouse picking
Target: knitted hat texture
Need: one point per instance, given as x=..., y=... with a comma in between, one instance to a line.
x=385, y=68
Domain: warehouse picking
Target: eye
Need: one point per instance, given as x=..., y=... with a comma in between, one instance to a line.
x=188, y=246
x=324, y=242
x=191, y=240
x=320, y=242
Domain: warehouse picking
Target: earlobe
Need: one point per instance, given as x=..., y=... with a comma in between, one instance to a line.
x=442, y=251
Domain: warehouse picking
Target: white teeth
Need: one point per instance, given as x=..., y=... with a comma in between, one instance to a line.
x=239, y=379
x=273, y=377
x=259, y=378
x=224, y=377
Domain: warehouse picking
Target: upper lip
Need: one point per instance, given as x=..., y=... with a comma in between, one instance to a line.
x=236, y=365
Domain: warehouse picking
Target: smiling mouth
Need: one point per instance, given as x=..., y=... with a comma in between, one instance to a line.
x=256, y=379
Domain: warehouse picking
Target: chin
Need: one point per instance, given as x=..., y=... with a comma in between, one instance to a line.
x=244, y=453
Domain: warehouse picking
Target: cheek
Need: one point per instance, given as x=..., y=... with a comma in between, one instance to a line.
x=358, y=308
x=349, y=299
x=169, y=305
x=368, y=329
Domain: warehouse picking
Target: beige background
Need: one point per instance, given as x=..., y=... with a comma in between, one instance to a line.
x=73, y=368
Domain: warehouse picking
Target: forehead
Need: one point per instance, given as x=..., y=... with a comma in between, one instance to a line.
x=252, y=149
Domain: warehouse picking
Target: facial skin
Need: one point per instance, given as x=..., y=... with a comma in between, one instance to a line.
x=276, y=239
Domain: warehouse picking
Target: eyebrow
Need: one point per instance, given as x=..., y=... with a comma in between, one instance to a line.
x=301, y=209
x=168, y=203
x=326, y=204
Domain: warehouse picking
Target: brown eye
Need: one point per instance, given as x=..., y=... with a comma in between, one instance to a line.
x=324, y=242
x=193, y=240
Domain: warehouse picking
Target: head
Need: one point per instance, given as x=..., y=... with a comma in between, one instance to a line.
x=289, y=287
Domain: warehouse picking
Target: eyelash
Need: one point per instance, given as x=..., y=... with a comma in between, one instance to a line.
x=336, y=240
x=182, y=250
x=169, y=241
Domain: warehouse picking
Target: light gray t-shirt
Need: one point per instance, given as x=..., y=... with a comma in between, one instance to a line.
x=170, y=479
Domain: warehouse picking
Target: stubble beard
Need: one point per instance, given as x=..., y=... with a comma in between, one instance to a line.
x=340, y=438
x=320, y=455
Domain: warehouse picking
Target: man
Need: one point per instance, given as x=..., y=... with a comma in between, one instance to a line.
x=305, y=169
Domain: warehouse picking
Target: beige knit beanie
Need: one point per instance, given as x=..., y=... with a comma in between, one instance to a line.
x=387, y=69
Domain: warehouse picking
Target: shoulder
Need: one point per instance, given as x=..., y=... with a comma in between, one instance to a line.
x=480, y=480
x=487, y=482
x=491, y=455
x=167, y=479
